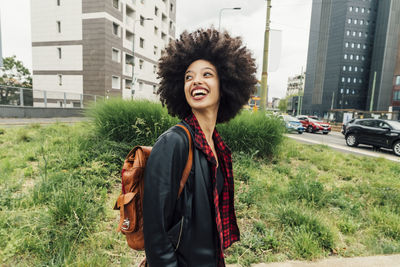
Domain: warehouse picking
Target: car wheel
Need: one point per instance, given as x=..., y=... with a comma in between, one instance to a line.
x=396, y=148
x=300, y=132
x=351, y=140
x=325, y=132
x=310, y=129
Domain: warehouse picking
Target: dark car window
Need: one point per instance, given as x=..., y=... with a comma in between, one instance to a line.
x=369, y=123
x=382, y=124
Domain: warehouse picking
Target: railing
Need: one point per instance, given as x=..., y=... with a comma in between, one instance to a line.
x=19, y=96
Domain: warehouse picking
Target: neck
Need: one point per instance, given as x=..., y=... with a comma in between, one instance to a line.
x=207, y=121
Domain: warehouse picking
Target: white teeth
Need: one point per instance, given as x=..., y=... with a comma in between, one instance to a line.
x=199, y=92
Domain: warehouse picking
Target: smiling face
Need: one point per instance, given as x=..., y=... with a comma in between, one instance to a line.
x=202, y=86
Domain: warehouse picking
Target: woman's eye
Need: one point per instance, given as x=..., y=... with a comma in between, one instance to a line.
x=188, y=77
x=207, y=74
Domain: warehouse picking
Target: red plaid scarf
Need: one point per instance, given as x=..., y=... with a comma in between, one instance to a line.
x=224, y=207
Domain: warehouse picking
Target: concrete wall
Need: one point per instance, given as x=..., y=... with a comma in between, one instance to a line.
x=35, y=112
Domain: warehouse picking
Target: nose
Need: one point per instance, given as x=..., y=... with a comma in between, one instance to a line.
x=197, y=79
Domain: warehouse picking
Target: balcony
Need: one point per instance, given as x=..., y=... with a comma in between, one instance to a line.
x=129, y=22
x=128, y=70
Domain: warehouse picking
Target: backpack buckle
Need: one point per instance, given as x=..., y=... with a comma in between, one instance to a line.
x=125, y=224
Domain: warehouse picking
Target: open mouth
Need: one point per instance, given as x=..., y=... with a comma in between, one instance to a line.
x=199, y=92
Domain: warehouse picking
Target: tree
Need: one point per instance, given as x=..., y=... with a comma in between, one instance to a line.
x=283, y=105
x=14, y=74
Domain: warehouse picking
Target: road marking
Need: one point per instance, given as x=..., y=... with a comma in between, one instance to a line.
x=345, y=148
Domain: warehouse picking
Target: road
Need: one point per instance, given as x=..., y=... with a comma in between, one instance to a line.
x=336, y=141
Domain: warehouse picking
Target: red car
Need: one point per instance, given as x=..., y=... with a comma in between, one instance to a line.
x=313, y=125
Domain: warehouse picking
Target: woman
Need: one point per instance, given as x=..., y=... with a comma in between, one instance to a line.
x=206, y=77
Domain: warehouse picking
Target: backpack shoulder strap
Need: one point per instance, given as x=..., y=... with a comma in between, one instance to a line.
x=188, y=167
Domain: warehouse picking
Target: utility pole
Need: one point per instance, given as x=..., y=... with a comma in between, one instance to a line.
x=264, y=76
x=373, y=93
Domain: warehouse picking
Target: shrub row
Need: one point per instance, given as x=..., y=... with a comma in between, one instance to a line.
x=141, y=122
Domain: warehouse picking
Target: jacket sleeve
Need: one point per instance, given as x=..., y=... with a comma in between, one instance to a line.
x=162, y=177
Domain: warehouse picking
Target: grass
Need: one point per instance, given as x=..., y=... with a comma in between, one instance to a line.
x=58, y=185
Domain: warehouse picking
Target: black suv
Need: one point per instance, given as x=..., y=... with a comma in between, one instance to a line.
x=378, y=133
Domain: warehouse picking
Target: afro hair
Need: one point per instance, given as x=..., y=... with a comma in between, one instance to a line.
x=234, y=63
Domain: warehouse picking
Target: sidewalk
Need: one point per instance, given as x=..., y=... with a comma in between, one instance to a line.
x=371, y=261
x=26, y=121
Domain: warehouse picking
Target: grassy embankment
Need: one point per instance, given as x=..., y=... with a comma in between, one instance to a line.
x=58, y=184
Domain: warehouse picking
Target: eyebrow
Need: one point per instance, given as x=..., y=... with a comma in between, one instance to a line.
x=202, y=69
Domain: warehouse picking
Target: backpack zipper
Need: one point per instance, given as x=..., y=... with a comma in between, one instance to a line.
x=180, y=233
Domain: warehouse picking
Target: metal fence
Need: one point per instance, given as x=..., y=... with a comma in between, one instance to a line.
x=28, y=97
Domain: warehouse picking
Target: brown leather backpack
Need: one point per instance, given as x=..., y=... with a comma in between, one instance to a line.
x=130, y=201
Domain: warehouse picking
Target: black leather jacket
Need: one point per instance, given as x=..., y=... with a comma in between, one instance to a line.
x=178, y=232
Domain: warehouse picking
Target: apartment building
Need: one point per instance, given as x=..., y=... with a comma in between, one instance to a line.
x=295, y=84
x=107, y=48
x=351, y=55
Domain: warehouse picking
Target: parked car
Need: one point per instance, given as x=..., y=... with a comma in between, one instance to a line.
x=374, y=132
x=344, y=126
x=312, y=125
x=292, y=124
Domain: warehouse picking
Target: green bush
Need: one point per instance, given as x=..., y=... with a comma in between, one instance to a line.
x=134, y=122
x=253, y=133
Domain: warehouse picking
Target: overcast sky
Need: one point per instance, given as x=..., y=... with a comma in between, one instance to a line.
x=290, y=17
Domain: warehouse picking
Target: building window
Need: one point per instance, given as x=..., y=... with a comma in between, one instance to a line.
x=357, y=57
x=355, y=69
x=361, y=22
x=397, y=80
x=155, y=50
x=349, y=21
x=359, y=34
x=358, y=46
x=171, y=7
x=156, y=11
x=341, y=90
x=369, y=10
x=141, y=62
x=360, y=80
x=141, y=42
x=364, y=46
x=343, y=79
x=58, y=2
x=59, y=52
x=59, y=26
x=59, y=79
x=154, y=89
x=155, y=30
x=140, y=86
x=349, y=80
x=356, y=9
x=346, y=44
x=164, y=18
x=367, y=22
x=116, y=82
x=163, y=36
x=116, y=4
x=362, y=58
x=362, y=69
x=116, y=30
x=352, y=92
x=116, y=55
x=396, y=96
x=141, y=20
x=362, y=10
x=350, y=8
x=351, y=57
x=355, y=80
x=354, y=33
x=355, y=21
x=352, y=45
x=366, y=34
x=154, y=69
x=345, y=56
x=347, y=91
x=344, y=68
x=350, y=68
x=170, y=25
x=348, y=33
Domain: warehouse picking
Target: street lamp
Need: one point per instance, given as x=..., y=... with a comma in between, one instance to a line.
x=133, y=52
x=220, y=14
